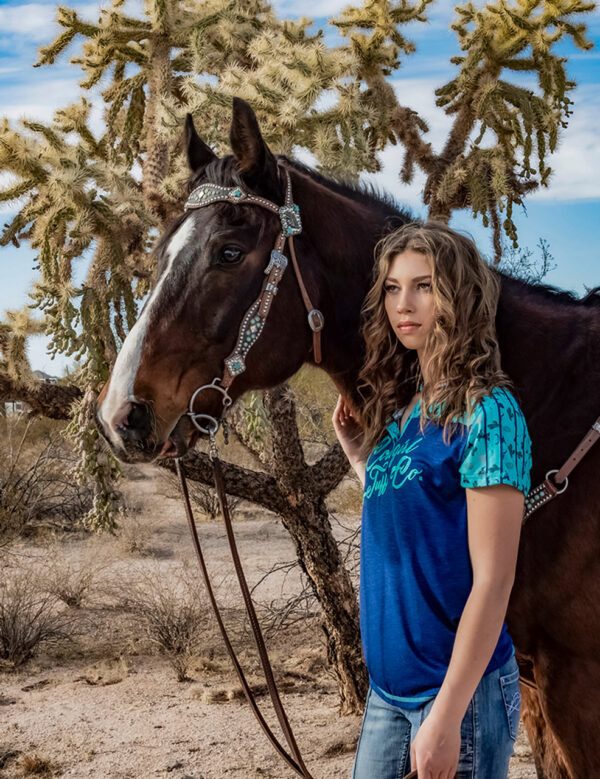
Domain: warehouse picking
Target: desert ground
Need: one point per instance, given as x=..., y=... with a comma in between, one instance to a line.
x=104, y=701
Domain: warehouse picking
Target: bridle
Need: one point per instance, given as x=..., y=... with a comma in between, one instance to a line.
x=255, y=317
x=251, y=327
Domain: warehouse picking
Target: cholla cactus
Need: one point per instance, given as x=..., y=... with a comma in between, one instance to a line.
x=96, y=465
x=14, y=332
x=486, y=163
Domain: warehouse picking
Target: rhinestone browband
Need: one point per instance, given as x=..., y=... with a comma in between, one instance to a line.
x=206, y=194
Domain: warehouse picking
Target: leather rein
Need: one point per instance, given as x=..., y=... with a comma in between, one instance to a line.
x=250, y=329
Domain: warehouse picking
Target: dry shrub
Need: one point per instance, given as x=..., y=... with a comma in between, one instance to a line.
x=172, y=610
x=29, y=616
x=69, y=582
x=347, y=497
x=299, y=605
x=230, y=692
x=36, y=483
x=205, y=498
x=315, y=397
x=105, y=672
x=341, y=748
x=134, y=534
x=34, y=765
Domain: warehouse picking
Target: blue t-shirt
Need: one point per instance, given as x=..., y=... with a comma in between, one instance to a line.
x=416, y=573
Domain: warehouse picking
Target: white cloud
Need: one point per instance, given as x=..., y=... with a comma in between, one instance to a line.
x=576, y=163
x=314, y=9
x=39, y=100
x=37, y=21
x=31, y=20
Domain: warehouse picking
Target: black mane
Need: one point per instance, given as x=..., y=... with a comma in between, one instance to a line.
x=553, y=294
x=367, y=194
x=224, y=171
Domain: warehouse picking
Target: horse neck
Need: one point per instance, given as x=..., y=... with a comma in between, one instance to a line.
x=336, y=251
x=551, y=350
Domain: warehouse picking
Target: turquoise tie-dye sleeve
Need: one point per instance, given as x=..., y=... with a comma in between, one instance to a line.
x=498, y=448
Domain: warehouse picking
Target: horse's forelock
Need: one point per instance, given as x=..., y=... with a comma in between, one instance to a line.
x=222, y=171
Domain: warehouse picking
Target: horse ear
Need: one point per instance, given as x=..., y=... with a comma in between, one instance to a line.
x=198, y=153
x=254, y=158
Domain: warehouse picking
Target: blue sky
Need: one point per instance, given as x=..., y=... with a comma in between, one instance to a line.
x=567, y=215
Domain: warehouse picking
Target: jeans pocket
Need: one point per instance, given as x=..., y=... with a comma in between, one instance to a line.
x=511, y=695
x=464, y=769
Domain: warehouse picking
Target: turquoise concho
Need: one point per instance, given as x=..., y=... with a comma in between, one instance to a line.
x=290, y=219
x=235, y=364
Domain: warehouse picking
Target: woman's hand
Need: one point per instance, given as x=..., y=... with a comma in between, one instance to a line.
x=349, y=433
x=436, y=748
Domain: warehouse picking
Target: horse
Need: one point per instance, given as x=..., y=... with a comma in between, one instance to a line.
x=211, y=264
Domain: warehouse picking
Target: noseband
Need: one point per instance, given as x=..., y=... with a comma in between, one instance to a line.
x=255, y=317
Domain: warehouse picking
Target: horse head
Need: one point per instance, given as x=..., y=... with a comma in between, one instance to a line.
x=210, y=269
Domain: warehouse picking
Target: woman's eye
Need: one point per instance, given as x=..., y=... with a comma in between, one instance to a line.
x=390, y=287
x=230, y=255
x=424, y=284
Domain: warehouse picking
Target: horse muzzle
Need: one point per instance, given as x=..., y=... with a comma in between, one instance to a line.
x=131, y=433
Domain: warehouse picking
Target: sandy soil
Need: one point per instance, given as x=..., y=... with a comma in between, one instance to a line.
x=108, y=705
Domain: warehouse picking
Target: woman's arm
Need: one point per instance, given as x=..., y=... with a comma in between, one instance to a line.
x=350, y=436
x=494, y=525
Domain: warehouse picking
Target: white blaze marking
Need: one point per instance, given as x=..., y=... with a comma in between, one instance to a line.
x=122, y=380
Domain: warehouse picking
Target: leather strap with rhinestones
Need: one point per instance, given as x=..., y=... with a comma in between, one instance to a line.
x=548, y=490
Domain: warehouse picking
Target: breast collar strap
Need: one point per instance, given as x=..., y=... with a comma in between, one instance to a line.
x=255, y=317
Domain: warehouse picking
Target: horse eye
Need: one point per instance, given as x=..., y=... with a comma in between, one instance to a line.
x=230, y=255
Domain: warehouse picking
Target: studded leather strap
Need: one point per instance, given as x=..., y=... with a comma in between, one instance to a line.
x=548, y=490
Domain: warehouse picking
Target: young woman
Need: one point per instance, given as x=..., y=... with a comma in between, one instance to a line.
x=443, y=452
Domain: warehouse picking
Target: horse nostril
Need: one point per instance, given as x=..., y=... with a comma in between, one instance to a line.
x=137, y=425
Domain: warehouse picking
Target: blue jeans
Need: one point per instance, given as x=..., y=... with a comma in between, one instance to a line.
x=487, y=732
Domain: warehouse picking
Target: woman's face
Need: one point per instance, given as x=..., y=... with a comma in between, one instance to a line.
x=409, y=298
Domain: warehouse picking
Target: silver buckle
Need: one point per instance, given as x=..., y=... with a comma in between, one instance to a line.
x=316, y=320
x=278, y=260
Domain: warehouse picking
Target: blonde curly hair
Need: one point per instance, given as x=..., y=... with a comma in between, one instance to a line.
x=462, y=347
